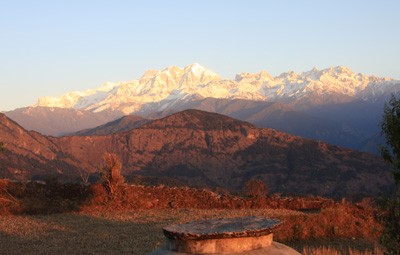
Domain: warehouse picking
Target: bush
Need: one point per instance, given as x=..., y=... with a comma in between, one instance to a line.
x=110, y=173
x=255, y=188
x=9, y=203
x=390, y=237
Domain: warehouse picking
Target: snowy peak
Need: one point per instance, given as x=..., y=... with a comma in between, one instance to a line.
x=152, y=86
x=339, y=70
x=195, y=74
x=195, y=69
x=174, y=77
x=77, y=99
x=159, y=90
x=250, y=77
x=171, y=83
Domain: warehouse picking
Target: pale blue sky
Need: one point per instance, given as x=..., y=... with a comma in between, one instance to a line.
x=50, y=47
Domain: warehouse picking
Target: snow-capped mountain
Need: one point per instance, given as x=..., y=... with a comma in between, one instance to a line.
x=158, y=90
x=168, y=84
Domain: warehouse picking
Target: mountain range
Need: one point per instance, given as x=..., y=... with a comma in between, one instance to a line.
x=201, y=149
x=334, y=105
x=159, y=90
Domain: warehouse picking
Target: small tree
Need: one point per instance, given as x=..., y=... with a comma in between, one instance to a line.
x=390, y=237
x=110, y=173
x=255, y=188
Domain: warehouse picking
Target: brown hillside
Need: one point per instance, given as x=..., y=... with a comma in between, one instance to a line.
x=208, y=149
x=28, y=153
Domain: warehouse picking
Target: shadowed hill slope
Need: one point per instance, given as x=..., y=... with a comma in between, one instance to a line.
x=123, y=124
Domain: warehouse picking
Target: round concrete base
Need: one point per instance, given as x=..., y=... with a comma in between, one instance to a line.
x=274, y=249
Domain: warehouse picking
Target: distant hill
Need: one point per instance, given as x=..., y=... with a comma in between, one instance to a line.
x=123, y=124
x=59, y=121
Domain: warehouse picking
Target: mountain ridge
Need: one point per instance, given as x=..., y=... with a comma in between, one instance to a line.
x=122, y=124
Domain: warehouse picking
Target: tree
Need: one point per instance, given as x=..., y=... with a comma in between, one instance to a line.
x=1, y=147
x=255, y=188
x=391, y=131
x=390, y=237
x=110, y=173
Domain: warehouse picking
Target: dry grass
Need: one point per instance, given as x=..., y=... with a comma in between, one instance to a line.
x=340, y=222
x=76, y=234
x=130, y=232
x=327, y=250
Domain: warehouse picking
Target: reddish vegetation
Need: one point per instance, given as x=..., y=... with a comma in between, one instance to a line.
x=340, y=221
x=143, y=197
x=324, y=218
x=68, y=196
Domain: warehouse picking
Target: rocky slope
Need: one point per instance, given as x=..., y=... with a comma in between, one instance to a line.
x=202, y=149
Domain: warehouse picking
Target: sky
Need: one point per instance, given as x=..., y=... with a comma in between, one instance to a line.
x=50, y=47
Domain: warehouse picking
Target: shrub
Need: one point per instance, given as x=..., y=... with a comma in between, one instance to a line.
x=390, y=237
x=255, y=188
x=9, y=203
x=110, y=173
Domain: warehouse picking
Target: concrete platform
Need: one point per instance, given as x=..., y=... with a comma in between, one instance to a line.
x=245, y=236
